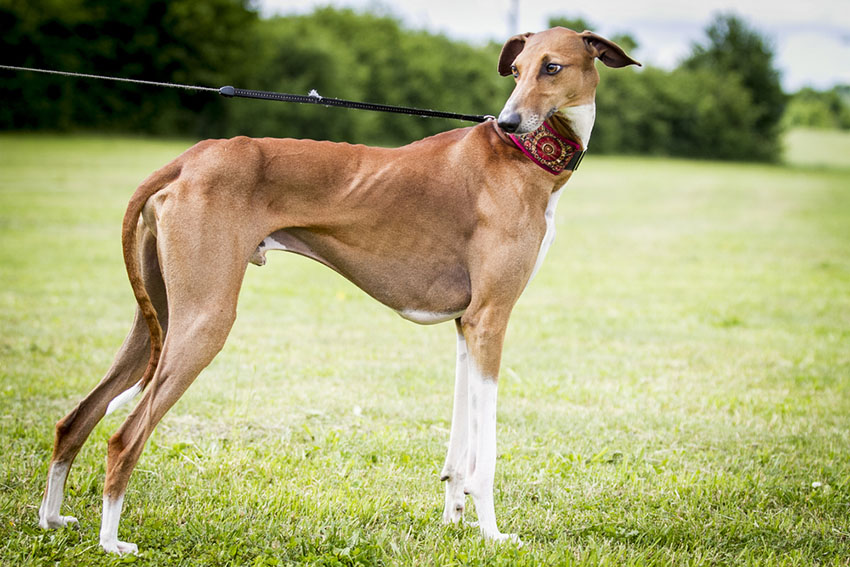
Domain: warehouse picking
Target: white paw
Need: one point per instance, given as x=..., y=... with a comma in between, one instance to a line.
x=506, y=538
x=455, y=499
x=119, y=547
x=56, y=522
x=453, y=513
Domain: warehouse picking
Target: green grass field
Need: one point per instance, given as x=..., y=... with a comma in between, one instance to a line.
x=675, y=386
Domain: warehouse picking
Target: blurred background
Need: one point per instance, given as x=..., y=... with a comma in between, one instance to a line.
x=715, y=84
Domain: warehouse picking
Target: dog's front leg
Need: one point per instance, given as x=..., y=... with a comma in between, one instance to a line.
x=484, y=334
x=454, y=471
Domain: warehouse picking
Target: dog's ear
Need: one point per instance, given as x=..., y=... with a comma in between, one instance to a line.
x=606, y=50
x=510, y=50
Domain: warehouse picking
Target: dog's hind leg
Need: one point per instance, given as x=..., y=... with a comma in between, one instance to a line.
x=203, y=272
x=454, y=470
x=127, y=368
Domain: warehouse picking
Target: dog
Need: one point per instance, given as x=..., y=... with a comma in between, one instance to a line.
x=448, y=228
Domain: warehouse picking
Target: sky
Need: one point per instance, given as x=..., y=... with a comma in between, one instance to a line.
x=810, y=39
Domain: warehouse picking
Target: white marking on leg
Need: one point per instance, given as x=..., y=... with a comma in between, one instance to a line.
x=109, y=527
x=428, y=317
x=48, y=512
x=124, y=397
x=581, y=119
x=454, y=471
x=549, y=236
x=482, y=451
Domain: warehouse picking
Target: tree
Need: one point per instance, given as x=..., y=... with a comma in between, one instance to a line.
x=182, y=41
x=724, y=102
x=734, y=50
x=819, y=109
x=367, y=57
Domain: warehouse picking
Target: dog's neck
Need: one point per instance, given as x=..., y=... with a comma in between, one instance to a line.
x=575, y=122
x=553, y=145
x=559, y=138
x=549, y=149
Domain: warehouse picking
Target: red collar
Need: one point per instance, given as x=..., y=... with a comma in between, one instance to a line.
x=549, y=149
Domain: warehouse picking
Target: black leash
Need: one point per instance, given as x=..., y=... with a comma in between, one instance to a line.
x=316, y=98
x=312, y=98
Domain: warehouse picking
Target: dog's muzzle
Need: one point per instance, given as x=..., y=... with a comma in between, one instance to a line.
x=509, y=121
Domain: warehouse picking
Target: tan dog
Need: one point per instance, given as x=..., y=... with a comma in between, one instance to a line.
x=451, y=227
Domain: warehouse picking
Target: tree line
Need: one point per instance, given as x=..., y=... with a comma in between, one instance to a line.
x=723, y=102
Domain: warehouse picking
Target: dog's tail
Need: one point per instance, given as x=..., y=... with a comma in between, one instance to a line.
x=129, y=243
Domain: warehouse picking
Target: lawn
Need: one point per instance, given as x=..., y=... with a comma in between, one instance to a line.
x=675, y=385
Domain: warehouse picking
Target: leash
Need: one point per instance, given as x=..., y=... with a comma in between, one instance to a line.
x=312, y=98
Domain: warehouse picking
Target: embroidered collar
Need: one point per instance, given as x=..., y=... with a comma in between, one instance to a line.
x=549, y=149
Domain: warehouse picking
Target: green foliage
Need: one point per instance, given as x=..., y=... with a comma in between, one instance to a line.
x=686, y=113
x=181, y=41
x=340, y=53
x=367, y=57
x=819, y=109
x=736, y=52
x=723, y=103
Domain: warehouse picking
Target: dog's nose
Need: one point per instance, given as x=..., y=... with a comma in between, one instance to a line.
x=509, y=122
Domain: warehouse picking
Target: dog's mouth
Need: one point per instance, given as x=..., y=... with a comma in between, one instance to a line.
x=516, y=123
x=530, y=125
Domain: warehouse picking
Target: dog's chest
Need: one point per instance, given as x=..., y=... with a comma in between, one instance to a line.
x=549, y=236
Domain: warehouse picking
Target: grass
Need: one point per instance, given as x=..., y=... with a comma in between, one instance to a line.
x=675, y=386
x=818, y=148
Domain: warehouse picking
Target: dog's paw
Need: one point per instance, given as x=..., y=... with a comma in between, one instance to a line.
x=512, y=539
x=453, y=515
x=453, y=512
x=56, y=522
x=119, y=547
x=455, y=500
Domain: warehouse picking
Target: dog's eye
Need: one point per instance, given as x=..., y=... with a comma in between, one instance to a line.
x=553, y=68
x=515, y=71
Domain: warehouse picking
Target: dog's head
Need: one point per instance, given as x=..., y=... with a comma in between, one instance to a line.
x=554, y=70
